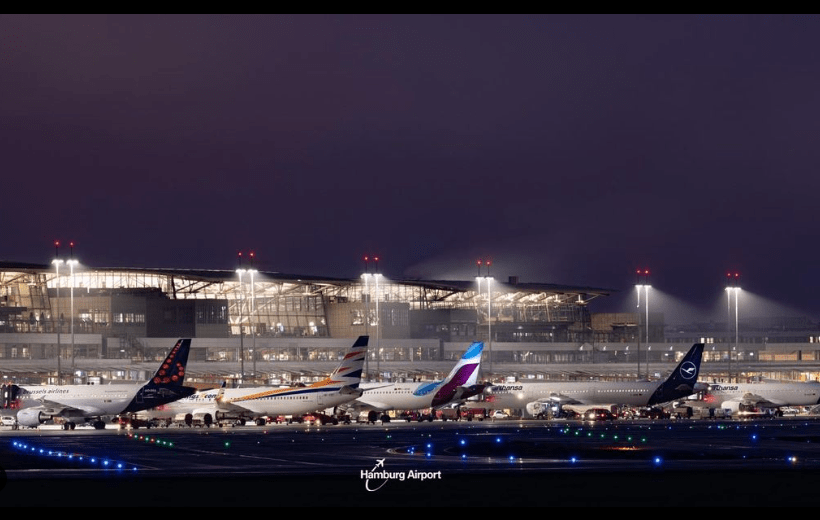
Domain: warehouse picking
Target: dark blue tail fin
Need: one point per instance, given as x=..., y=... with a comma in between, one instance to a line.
x=172, y=370
x=681, y=382
x=166, y=385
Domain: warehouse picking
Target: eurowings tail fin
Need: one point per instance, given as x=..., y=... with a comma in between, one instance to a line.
x=681, y=382
x=466, y=370
x=464, y=374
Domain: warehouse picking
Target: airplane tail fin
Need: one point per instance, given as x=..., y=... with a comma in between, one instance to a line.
x=681, y=382
x=167, y=384
x=349, y=371
x=172, y=371
x=466, y=370
x=464, y=374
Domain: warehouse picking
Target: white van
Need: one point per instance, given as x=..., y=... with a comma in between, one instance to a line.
x=9, y=420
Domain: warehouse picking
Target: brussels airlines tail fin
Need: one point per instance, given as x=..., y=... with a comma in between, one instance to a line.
x=681, y=382
x=166, y=385
x=464, y=374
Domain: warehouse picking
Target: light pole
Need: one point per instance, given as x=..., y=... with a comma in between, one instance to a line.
x=240, y=271
x=71, y=263
x=489, y=308
x=376, y=276
x=57, y=263
x=253, y=313
x=732, y=286
x=642, y=282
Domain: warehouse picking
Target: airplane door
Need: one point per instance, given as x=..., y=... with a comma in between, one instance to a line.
x=320, y=400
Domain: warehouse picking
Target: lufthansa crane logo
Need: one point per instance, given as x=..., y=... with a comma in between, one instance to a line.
x=688, y=370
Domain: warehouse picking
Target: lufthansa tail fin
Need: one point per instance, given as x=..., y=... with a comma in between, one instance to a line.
x=349, y=371
x=681, y=382
x=167, y=384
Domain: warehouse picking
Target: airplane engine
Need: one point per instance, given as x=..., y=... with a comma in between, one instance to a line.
x=537, y=408
x=734, y=406
x=203, y=418
x=32, y=417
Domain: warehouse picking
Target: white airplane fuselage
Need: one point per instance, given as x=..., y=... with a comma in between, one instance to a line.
x=397, y=396
x=518, y=395
x=92, y=399
x=256, y=402
x=265, y=401
x=768, y=393
x=202, y=401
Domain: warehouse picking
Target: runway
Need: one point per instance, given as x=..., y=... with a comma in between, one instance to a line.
x=502, y=463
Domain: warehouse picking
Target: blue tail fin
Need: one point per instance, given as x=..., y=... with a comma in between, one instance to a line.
x=681, y=382
x=167, y=384
x=172, y=371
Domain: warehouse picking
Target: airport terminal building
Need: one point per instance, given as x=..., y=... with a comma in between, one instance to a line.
x=266, y=328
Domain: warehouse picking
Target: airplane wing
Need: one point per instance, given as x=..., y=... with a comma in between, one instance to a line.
x=52, y=407
x=349, y=390
x=751, y=399
x=560, y=398
x=371, y=388
x=229, y=406
x=462, y=393
x=362, y=403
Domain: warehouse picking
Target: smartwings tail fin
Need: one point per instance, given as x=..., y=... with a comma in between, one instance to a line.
x=349, y=371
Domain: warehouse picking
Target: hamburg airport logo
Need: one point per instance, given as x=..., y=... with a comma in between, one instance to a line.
x=376, y=478
x=688, y=370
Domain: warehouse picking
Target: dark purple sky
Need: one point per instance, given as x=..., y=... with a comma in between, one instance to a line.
x=569, y=149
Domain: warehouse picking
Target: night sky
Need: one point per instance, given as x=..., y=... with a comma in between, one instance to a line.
x=567, y=149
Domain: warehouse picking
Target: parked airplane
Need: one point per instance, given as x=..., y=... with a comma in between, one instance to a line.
x=747, y=397
x=258, y=402
x=582, y=395
x=459, y=385
x=90, y=403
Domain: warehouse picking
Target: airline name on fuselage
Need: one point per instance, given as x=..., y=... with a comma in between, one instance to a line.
x=724, y=388
x=47, y=391
x=506, y=388
x=195, y=397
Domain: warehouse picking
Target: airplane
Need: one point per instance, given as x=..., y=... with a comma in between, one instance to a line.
x=90, y=403
x=255, y=403
x=580, y=396
x=458, y=386
x=749, y=397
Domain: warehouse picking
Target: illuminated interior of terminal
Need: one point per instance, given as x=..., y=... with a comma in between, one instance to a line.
x=255, y=319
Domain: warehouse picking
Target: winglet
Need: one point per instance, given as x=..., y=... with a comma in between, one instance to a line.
x=681, y=382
